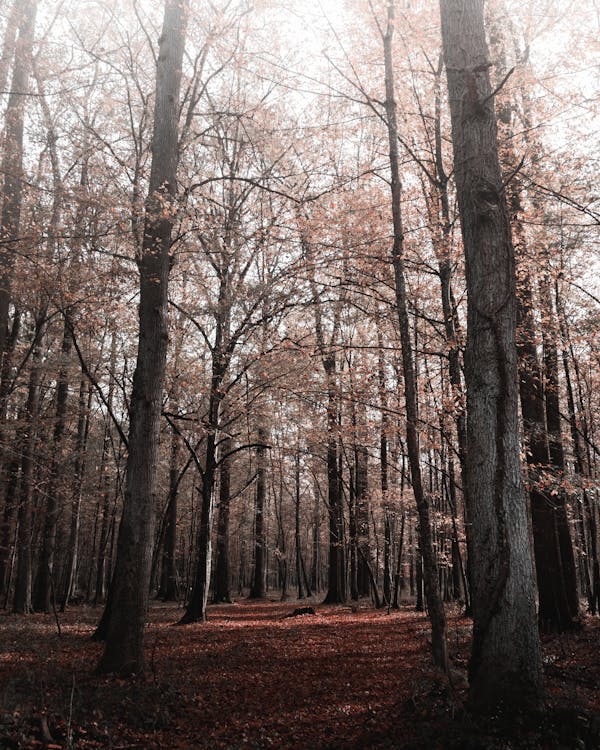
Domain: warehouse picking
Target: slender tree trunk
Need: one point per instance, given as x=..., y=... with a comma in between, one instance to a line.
x=168, y=580
x=129, y=596
x=69, y=582
x=554, y=610
x=353, y=536
x=434, y=600
x=442, y=242
x=8, y=468
x=196, y=608
x=505, y=666
x=258, y=588
x=590, y=572
x=315, y=582
x=398, y=574
x=222, y=592
x=303, y=587
x=46, y=580
x=555, y=445
x=364, y=571
x=22, y=600
x=383, y=463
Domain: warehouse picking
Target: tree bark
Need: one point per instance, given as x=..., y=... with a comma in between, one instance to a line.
x=69, y=577
x=12, y=162
x=196, y=609
x=435, y=605
x=222, y=592
x=168, y=579
x=505, y=666
x=124, y=651
x=22, y=599
x=45, y=579
x=258, y=588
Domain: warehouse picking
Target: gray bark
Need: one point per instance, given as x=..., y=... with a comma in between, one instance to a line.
x=124, y=651
x=505, y=665
x=12, y=162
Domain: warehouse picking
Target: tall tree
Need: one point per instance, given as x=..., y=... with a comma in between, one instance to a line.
x=258, y=588
x=12, y=162
x=430, y=575
x=505, y=665
x=128, y=599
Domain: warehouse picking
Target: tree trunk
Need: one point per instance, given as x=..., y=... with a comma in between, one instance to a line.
x=336, y=568
x=258, y=588
x=8, y=469
x=302, y=582
x=505, y=666
x=22, y=599
x=315, y=582
x=69, y=579
x=222, y=592
x=125, y=635
x=590, y=564
x=45, y=580
x=12, y=163
x=398, y=574
x=554, y=609
x=555, y=446
x=196, y=609
x=168, y=579
x=434, y=600
x=364, y=573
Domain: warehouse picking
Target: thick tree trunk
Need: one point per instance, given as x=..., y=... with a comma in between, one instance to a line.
x=505, y=666
x=124, y=651
x=12, y=162
x=9, y=41
x=434, y=600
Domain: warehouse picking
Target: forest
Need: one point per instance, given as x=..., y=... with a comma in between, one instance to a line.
x=299, y=329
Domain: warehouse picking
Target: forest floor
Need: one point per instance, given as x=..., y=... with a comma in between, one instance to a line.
x=252, y=678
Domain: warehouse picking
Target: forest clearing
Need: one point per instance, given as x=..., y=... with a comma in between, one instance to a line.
x=252, y=677
x=299, y=310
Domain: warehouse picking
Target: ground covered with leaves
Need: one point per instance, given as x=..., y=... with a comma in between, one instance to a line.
x=253, y=678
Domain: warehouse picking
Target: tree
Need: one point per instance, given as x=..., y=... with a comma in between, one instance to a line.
x=128, y=598
x=432, y=592
x=505, y=665
x=12, y=162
